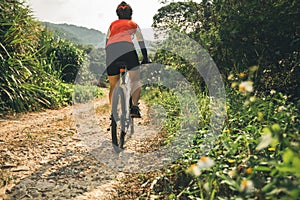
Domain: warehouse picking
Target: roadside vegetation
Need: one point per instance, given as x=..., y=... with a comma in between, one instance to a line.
x=37, y=69
x=255, y=45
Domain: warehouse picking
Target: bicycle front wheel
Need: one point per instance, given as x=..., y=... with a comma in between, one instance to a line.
x=118, y=118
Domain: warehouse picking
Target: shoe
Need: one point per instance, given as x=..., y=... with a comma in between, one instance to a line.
x=135, y=112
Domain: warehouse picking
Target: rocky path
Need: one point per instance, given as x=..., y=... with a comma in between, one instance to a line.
x=46, y=155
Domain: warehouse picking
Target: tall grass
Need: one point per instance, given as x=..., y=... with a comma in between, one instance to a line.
x=30, y=70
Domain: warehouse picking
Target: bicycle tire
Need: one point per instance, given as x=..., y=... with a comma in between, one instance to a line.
x=118, y=118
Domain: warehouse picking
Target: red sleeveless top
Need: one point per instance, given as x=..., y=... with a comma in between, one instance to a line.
x=121, y=30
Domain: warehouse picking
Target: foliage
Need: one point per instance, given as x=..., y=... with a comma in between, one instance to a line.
x=19, y=66
x=33, y=62
x=86, y=93
x=244, y=33
x=90, y=41
x=262, y=33
x=97, y=62
x=66, y=59
x=256, y=156
x=181, y=16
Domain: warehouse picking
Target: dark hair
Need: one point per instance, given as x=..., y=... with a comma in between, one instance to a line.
x=124, y=10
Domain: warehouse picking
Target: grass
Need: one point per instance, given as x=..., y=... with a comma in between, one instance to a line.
x=256, y=156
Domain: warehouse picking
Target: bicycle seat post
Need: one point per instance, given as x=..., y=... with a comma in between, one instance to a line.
x=122, y=73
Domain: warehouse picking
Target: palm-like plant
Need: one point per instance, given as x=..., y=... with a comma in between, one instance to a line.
x=19, y=39
x=28, y=75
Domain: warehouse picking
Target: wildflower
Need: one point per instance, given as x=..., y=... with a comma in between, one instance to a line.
x=232, y=173
x=242, y=75
x=234, y=84
x=249, y=170
x=247, y=186
x=231, y=161
x=280, y=108
x=266, y=139
x=272, y=91
x=226, y=131
x=246, y=86
x=252, y=99
x=230, y=77
x=194, y=170
x=271, y=149
x=205, y=162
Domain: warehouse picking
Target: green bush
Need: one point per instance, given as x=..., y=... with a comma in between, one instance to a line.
x=86, y=93
x=20, y=81
x=33, y=63
x=242, y=34
x=67, y=59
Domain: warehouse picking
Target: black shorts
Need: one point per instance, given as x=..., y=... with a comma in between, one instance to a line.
x=120, y=52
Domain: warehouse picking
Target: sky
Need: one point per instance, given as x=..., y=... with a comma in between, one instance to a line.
x=96, y=14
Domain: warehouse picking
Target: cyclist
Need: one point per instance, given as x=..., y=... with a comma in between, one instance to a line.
x=120, y=49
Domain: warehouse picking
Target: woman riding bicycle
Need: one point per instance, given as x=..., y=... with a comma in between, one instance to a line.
x=120, y=49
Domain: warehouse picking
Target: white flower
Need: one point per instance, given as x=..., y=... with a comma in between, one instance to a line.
x=194, y=170
x=205, y=162
x=247, y=186
x=246, y=86
x=272, y=91
x=266, y=139
x=232, y=173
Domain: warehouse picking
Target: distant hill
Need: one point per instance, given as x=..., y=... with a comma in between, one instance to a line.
x=77, y=35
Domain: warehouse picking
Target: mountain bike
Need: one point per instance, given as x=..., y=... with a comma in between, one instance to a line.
x=121, y=121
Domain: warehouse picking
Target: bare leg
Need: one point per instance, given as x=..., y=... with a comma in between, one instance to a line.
x=113, y=82
x=134, y=76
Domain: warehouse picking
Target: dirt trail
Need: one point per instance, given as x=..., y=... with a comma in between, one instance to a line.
x=44, y=156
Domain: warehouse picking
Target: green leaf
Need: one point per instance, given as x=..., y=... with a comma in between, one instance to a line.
x=268, y=187
x=266, y=131
x=287, y=157
x=276, y=128
x=262, y=168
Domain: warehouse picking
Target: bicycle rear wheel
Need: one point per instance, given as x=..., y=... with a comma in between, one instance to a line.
x=118, y=118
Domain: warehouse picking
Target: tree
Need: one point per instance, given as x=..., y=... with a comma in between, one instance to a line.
x=240, y=34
